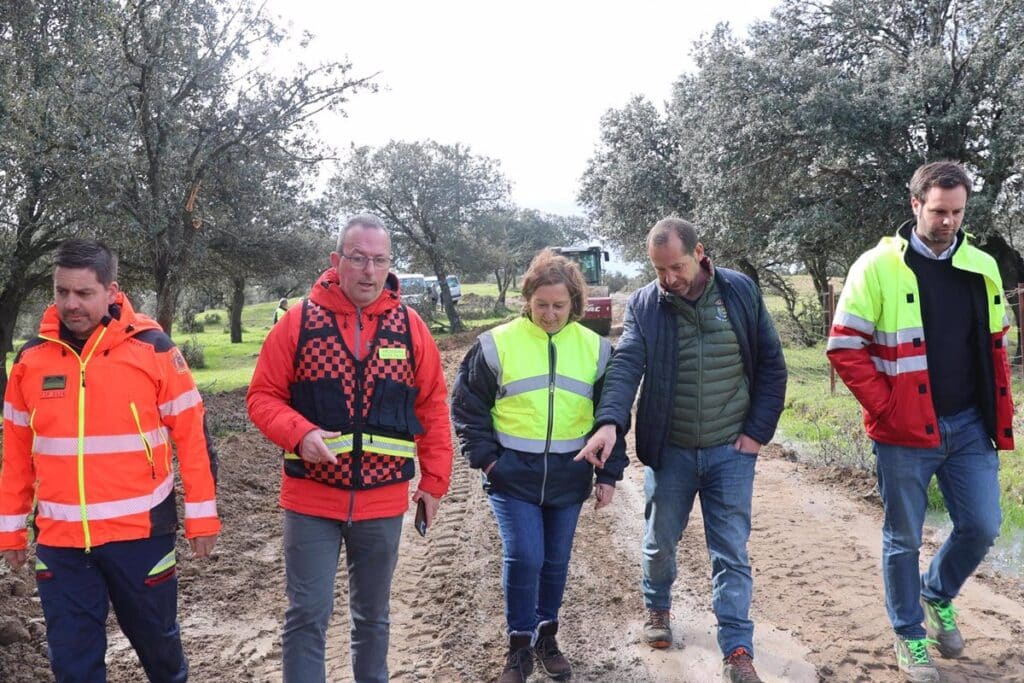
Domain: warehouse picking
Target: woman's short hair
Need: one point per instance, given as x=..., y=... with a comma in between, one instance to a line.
x=549, y=268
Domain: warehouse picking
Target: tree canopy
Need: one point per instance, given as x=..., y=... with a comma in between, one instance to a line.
x=430, y=194
x=145, y=122
x=795, y=144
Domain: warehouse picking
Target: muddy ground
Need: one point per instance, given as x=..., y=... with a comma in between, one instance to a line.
x=815, y=550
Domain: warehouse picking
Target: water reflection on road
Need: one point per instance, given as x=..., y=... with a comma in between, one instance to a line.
x=1006, y=556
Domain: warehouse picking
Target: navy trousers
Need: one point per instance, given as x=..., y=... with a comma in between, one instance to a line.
x=139, y=578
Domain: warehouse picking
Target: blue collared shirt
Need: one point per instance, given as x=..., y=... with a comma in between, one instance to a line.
x=922, y=249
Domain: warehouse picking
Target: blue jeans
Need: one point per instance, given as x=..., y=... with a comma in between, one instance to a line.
x=312, y=546
x=724, y=478
x=967, y=468
x=76, y=588
x=537, y=540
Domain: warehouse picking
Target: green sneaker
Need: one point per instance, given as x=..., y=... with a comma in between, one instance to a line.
x=913, y=660
x=940, y=620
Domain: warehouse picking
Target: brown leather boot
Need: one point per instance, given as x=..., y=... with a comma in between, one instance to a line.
x=551, y=660
x=519, y=661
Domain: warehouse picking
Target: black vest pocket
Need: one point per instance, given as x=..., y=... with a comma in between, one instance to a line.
x=392, y=408
x=324, y=402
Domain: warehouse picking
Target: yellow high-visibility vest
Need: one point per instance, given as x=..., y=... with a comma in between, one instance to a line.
x=545, y=398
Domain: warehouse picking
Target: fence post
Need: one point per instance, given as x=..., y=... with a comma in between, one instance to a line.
x=831, y=314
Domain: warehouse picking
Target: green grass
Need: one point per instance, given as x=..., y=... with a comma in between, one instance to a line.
x=827, y=425
x=485, y=289
x=228, y=366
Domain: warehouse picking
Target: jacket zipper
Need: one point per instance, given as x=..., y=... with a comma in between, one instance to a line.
x=700, y=370
x=145, y=441
x=357, y=434
x=83, y=511
x=552, y=359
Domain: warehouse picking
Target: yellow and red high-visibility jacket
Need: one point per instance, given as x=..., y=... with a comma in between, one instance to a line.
x=94, y=430
x=878, y=347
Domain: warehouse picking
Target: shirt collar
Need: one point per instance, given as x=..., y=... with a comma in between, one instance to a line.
x=917, y=245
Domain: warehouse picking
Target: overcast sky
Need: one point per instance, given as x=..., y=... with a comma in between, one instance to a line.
x=523, y=82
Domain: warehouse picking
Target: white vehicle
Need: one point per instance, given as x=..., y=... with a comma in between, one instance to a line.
x=455, y=288
x=413, y=288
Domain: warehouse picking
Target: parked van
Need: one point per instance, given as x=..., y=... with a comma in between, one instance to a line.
x=413, y=288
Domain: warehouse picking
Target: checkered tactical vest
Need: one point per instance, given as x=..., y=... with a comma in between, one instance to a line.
x=370, y=401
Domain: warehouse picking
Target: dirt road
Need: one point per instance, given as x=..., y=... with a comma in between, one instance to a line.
x=817, y=605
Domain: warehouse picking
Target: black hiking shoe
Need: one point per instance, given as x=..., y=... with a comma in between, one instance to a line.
x=551, y=660
x=519, y=661
x=738, y=667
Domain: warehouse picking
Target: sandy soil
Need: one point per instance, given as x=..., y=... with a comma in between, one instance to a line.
x=815, y=551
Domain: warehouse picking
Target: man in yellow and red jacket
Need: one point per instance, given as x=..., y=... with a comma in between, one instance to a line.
x=91, y=407
x=919, y=338
x=349, y=384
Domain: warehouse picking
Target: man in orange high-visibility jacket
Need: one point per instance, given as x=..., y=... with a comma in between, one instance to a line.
x=89, y=410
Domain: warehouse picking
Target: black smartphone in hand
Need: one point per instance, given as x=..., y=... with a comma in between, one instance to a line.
x=420, y=522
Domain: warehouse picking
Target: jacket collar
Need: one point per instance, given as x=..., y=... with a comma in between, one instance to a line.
x=903, y=233
x=705, y=264
x=535, y=330
x=327, y=293
x=120, y=323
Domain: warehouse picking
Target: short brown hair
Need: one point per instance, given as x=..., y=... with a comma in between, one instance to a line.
x=549, y=268
x=673, y=225
x=946, y=174
x=87, y=253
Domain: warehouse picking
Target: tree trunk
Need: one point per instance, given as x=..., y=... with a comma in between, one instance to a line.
x=33, y=244
x=503, y=284
x=818, y=270
x=454, y=319
x=235, y=309
x=10, y=304
x=166, y=303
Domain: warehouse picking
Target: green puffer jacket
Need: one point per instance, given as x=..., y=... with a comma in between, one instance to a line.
x=711, y=398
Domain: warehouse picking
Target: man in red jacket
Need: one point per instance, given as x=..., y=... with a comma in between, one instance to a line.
x=349, y=383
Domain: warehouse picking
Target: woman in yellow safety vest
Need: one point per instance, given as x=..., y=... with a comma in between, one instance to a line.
x=523, y=407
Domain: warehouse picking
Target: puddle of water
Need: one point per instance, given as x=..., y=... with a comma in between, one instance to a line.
x=1006, y=556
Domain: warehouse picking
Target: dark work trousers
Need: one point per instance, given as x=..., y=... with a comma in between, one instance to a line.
x=76, y=588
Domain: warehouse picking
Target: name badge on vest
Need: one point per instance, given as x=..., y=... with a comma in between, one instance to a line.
x=54, y=386
x=391, y=353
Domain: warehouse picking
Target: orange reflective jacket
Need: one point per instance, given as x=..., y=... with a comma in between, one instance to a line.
x=94, y=430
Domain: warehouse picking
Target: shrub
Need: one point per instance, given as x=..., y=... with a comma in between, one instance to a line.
x=192, y=350
x=189, y=324
x=212, y=318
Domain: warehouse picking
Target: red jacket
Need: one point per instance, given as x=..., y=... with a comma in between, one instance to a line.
x=270, y=411
x=94, y=430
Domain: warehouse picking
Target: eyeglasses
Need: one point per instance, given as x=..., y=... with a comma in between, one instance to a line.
x=360, y=261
